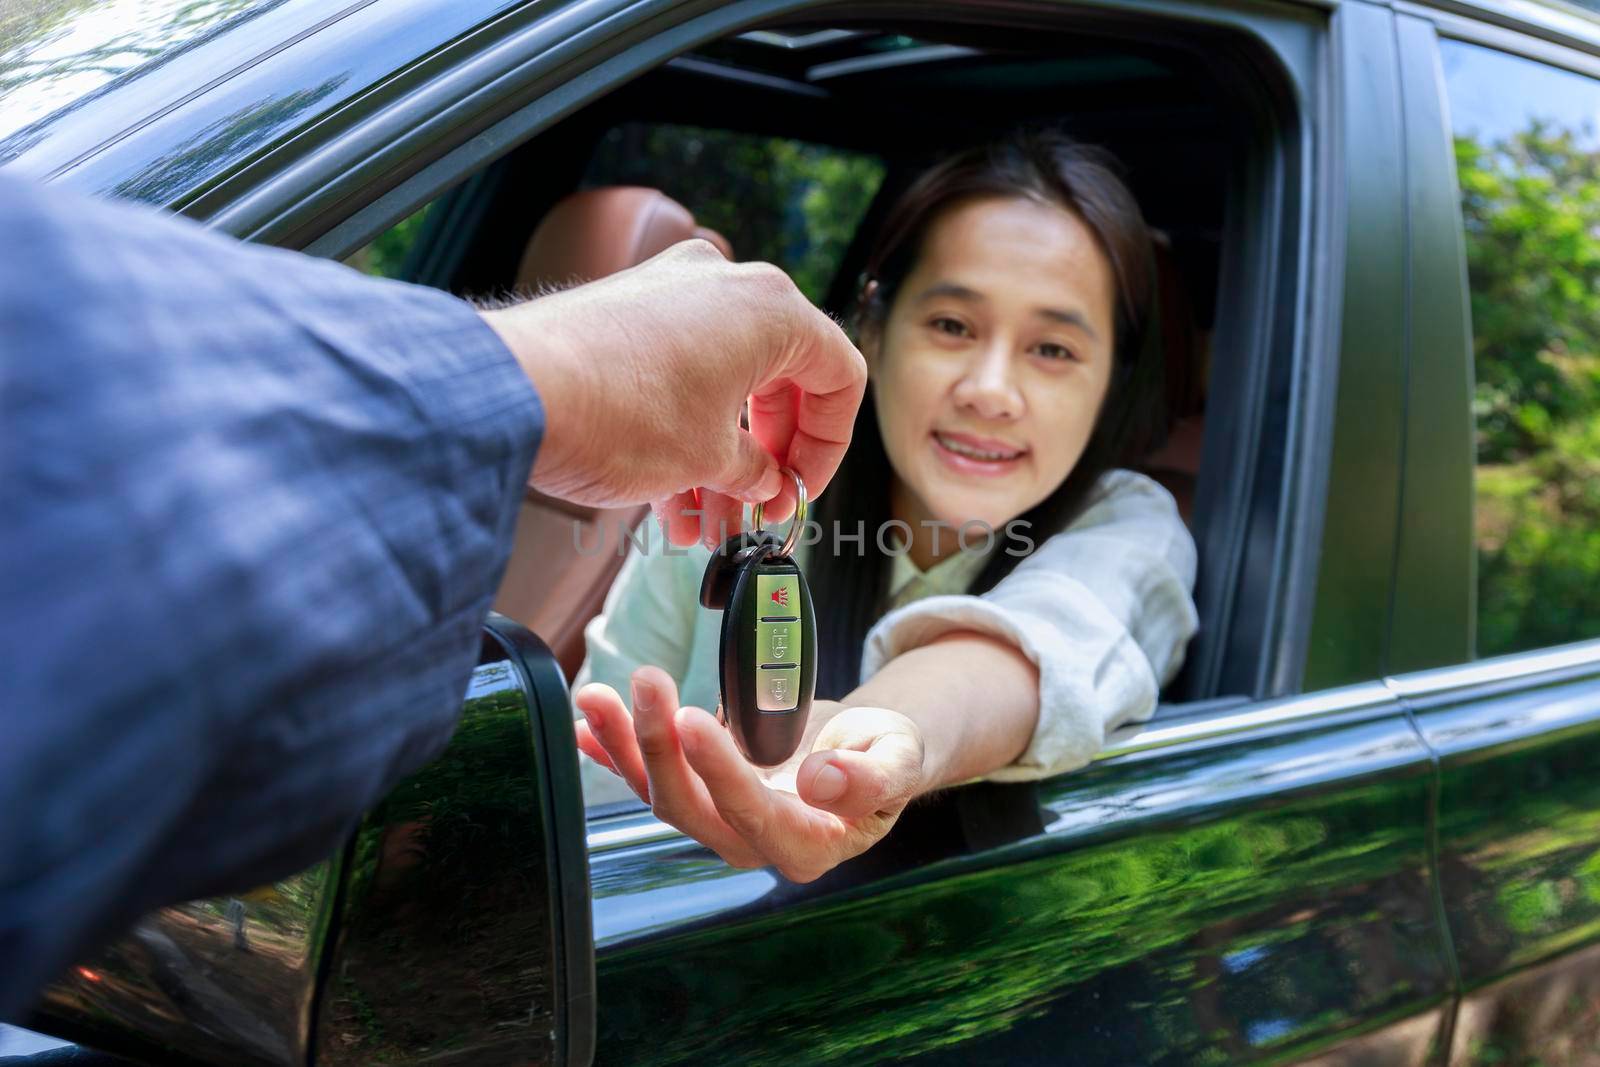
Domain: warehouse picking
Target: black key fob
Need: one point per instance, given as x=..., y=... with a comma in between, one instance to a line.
x=717, y=585
x=768, y=668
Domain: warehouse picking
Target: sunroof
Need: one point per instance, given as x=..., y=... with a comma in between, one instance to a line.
x=790, y=42
x=899, y=56
x=819, y=56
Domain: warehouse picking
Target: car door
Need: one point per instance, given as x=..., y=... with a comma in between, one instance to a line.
x=1230, y=883
x=1241, y=879
x=1499, y=582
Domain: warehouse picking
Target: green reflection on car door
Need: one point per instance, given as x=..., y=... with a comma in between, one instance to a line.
x=1241, y=900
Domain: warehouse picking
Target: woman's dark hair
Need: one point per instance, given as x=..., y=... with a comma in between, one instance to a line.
x=1050, y=168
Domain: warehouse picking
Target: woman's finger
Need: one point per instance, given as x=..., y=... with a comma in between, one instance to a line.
x=677, y=794
x=741, y=798
x=592, y=748
x=609, y=723
x=853, y=785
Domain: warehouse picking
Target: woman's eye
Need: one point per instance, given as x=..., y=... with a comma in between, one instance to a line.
x=1055, y=351
x=954, y=327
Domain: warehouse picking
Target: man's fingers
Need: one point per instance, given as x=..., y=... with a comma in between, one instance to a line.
x=721, y=517
x=816, y=456
x=680, y=527
x=772, y=422
x=742, y=799
x=750, y=474
x=831, y=375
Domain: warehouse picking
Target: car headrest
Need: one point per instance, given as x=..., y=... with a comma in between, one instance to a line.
x=596, y=232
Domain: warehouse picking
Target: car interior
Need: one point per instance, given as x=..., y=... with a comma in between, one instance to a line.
x=789, y=144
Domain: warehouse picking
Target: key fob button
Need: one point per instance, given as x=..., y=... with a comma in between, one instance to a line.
x=778, y=643
x=778, y=596
x=778, y=688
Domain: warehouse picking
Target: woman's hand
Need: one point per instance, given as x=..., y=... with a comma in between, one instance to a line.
x=853, y=774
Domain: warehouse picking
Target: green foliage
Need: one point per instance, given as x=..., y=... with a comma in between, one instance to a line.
x=386, y=255
x=775, y=199
x=1531, y=209
x=965, y=953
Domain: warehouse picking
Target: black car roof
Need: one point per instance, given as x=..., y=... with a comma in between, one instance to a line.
x=203, y=61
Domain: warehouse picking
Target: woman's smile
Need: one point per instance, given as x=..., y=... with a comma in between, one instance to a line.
x=972, y=455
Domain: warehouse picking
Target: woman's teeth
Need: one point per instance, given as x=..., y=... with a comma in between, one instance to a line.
x=962, y=449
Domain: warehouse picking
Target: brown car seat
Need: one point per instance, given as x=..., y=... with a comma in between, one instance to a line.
x=565, y=556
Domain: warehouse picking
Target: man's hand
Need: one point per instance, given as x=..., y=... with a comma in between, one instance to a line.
x=644, y=373
x=854, y=773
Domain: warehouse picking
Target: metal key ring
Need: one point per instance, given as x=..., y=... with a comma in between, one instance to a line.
x=799, y=513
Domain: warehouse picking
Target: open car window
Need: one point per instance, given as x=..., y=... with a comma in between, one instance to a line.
x=793, y=155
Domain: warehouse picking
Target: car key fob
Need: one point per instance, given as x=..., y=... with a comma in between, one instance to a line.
x=717, y=585
x=768, y=653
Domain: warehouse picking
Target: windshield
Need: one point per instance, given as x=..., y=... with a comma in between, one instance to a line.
x=55, y=53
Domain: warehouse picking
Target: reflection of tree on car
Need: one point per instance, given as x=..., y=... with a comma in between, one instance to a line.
x=1153, y=913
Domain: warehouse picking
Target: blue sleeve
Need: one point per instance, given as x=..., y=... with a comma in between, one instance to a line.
x=255, y=507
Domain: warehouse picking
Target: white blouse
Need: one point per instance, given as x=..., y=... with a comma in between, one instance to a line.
x=1103, y=609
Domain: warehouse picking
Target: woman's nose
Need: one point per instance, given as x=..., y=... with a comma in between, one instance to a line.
x=987, y=387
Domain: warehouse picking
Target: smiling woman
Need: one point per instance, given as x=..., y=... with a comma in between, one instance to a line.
x=1003, y=322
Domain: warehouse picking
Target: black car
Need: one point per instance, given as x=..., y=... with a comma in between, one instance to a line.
x=1364, y=824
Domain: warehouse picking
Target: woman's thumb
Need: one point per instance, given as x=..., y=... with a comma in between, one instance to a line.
x=853, y=785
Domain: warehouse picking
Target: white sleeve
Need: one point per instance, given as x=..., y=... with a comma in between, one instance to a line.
x=648, y=617
x=1103, y=609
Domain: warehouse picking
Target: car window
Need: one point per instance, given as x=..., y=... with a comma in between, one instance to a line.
x=784, y=201
x=1527, y=146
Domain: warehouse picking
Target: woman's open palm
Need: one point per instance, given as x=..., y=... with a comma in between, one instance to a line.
x=849, y=780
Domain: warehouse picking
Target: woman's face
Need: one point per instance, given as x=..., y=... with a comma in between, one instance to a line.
x=993, y=361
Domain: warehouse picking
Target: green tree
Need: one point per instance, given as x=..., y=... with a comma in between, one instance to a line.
x=387, y=252
x=784, y=201
x=1531, y=210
